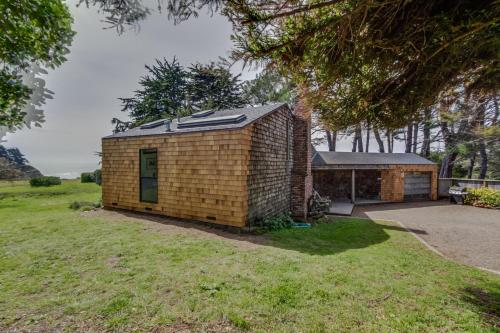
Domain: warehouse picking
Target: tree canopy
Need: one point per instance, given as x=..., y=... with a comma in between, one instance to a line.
x=212, y=86
x=14, y=155
x=169, y=90
x=379, y=61
x=270, y=86
x=34, y=33
x=162, y=93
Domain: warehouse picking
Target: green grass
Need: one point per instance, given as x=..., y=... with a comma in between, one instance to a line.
x=62, y=269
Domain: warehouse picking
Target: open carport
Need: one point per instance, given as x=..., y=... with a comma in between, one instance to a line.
x=367, y=178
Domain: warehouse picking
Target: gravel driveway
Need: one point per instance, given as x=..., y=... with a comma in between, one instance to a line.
x=469, y=235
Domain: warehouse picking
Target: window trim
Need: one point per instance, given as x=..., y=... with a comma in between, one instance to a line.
x=147, y=150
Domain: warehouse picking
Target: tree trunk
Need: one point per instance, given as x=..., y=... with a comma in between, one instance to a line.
x=409, y=138
x=415, y=138
x=359, y=134
x=482, y=144
x=446, y=170
x=449, y=136
x=379, y=140
x=354, y=143
x=389, y=141
x=471, y=165
x=497, y=112
x=484, y=160
x=426, y=143
x=331, y=137
x=367, y=137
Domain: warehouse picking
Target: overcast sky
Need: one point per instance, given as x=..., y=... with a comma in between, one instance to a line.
x=101, y=67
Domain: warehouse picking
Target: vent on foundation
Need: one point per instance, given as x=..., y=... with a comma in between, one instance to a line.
x=148, y=209
x=114, y=204
x=213, y=218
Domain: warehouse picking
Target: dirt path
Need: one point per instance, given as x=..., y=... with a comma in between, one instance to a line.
x=469, y=235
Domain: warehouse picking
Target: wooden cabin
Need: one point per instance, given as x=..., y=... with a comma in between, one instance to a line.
x=231, y=167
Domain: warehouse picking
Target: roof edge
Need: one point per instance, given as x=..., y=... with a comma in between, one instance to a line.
x=278, y=107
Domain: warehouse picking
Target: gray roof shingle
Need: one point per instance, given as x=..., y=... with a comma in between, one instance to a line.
x=329, y=158
x=251, y=113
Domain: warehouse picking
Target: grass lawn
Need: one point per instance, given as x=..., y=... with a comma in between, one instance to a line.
x=66, y=270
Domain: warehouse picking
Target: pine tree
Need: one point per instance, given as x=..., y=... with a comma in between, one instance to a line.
x=14, y=155
x=168, y=90
x=162, y=94
x=269, y=86
x=213, y=86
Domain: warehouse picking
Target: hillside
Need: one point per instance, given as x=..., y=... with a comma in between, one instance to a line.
x=13, y=165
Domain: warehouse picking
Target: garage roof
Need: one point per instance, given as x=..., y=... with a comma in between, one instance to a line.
x=348, y=160
x=203, y=121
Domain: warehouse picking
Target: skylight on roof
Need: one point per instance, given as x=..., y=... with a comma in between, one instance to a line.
x=153, y=124
x=202, y=114
x=214, y=121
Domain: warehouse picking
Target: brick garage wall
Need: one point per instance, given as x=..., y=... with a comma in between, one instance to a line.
x=201, y=176
x=270, y=165
x=392, y=184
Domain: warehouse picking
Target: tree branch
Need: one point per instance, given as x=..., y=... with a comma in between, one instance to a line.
x=292, y=12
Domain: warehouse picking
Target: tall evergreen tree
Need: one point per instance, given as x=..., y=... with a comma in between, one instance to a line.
x=168, y=90
x=162, y=94
x=14, y=155
x=270, y=86
x=213, y=86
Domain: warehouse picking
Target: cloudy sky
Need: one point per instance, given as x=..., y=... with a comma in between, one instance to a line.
x=101, y=67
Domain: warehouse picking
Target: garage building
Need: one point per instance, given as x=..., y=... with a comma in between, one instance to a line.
x=371, y=177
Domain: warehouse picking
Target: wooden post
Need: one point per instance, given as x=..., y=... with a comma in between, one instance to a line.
x=353, y=186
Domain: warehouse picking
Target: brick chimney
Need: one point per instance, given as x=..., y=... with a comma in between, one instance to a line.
x=301, y=170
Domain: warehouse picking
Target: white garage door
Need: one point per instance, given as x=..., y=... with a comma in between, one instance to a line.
x=417, y=186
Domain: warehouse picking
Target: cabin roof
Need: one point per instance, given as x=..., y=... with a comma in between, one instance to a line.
x=340, y=160
x=205, y=121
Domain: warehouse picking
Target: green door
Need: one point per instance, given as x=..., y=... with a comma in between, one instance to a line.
x=149, y=175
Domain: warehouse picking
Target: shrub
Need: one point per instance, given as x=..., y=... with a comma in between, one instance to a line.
x=483, y=197
x=283, y=221
x=87, y=177
x=97, y=176
x=45, y=181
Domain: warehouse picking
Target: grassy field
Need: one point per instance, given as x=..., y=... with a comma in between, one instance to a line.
x=66, y=270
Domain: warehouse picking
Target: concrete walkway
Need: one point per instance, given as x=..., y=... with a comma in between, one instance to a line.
x=469, y=235
x=341, y=208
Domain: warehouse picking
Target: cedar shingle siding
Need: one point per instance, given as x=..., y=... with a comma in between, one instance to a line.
x=227, y=176
x=201, y=176
x=270, y=166
x=392, y=188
